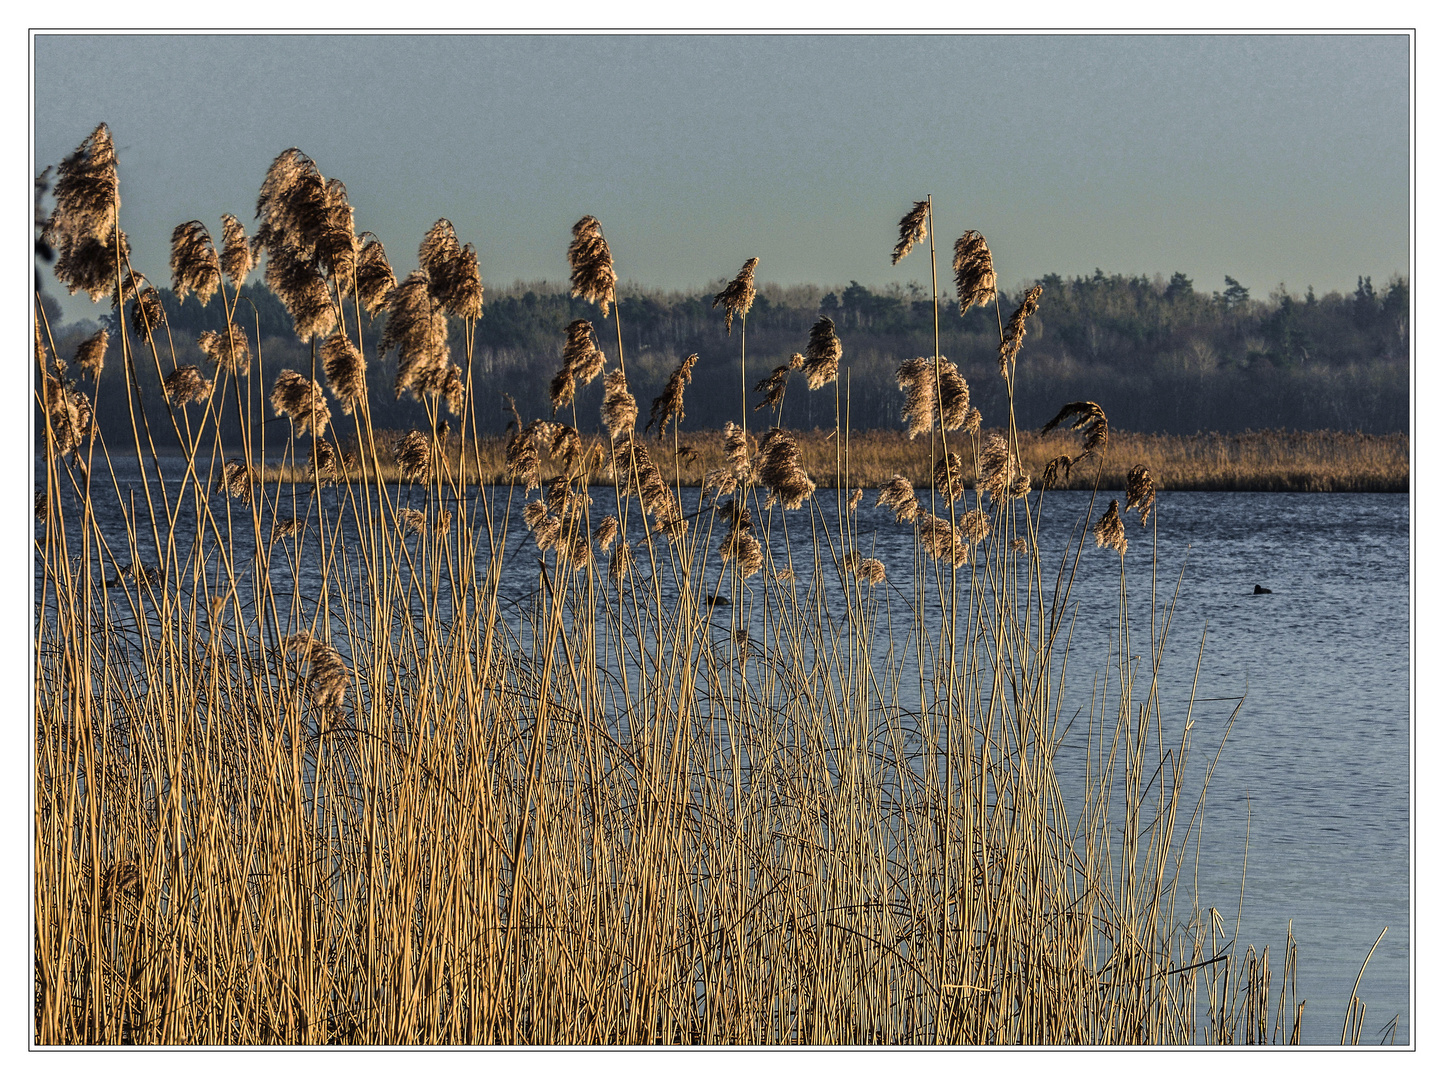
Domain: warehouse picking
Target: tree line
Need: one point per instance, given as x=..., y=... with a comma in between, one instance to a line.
x=1158, y=355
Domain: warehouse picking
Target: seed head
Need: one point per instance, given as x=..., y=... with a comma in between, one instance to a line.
x=948, y=477
x=237, y=481
x=824, y=350
x=1060, y=464
x=740, y=451
x=523, y=454
x=871, y=571
x=416, y=328
x=619, y=408
x=999, y=469
x=411, y=521
x=940, y=540
x=780, y=470
x=580, y=354
x=147, y=313
x=774, y=386
x=737, y=297
x=228, y=351
x=621, y=564
x=326, y=685
x=606, y=534
x=566, y=446
x=413, y=457
x=83, y=225
x=1017, y=328
x=917, y=379
x=897, y=495
x=973, y=271
x=345, y=371
x=300, y=399
x=187, y=384
x=853, y=500
x=452, y=270
x=374, y=277
x=301, y=288
x=194, y=265
x=911, y=230
x=91, y=355
x=236, y=259
x=667, y=406
x=1108, y=532
x=286, y=526
x=976, y=526
x=1140, y=493
x=593, y=277
x=325, y=461
x=1088, y=417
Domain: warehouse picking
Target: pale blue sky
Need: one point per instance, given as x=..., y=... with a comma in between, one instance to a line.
x=1269, y=158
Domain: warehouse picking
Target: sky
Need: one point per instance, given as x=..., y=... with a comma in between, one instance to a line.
x=1273, y=159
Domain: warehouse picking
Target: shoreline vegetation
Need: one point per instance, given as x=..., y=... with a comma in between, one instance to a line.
x=1264, y=461
x=306, y=774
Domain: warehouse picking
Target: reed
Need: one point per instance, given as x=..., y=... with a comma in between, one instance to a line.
x=325, y=760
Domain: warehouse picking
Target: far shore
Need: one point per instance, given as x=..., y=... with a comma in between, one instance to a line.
x=1302, y=461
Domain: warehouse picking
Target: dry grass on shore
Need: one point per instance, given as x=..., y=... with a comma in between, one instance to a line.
x=1318, y=461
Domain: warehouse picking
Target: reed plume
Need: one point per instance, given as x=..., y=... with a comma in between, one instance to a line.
x=667, y=406
x=84, y=227
x=236, y=480
x=973, y=271
x=147, y=313
x=976, y=526
x=301, y=288
x=853, y=500
x=940, y=539
x=237, y=262
x=593, y=277
x=580, y=353
x=90, y=357
x=194, y=265
x=898, y=496
x=1000, y=473
x=740, y=542
x=824, y=350
x=228, y=351
x=302, y=401
x=345, y=371
x=1060, y=464
x=621, y=564
x=917, y=379
x=1088, y=417
x=871, y=571
x=1140, y=493
x=283, y=527
x=911, y=230
x=452, y=271
x=523, y=454
x=606, y=532
x=325, y=461
x=1108, y=532
x=736, y=299
x=1017, y=327
x=952, y=396
x=566, y=446
x=948, y=477
x=452, y=390
x=374, y=276
x=187, y=384
x=775, y=386
x=413, y=457
x=780, y=470
x=70, y=415
x=416, y=328
x=326, y=685
x=619, y=408
x=411, y=521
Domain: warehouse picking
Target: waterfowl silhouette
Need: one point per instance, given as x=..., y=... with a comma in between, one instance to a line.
x=1259, y=589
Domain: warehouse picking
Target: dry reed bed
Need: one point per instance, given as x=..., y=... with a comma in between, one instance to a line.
x=342, y=791
x=1313, y=461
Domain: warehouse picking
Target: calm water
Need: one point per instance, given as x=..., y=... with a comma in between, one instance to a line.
x=1316, y=772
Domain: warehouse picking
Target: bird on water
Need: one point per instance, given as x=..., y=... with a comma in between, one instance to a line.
x=1259, y=590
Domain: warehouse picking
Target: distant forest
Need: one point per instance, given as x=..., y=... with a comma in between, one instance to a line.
x=1158, y=355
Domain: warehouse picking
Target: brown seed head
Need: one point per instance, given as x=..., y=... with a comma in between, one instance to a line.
x=1108, y=532
x=948, y=477
x=740, y=451
x=999, y=469
x=90, y=357
x=228, y=351
x=147, y=313
x=580, y=354
x=345, y=371
x=911, y=230
x=973, y=271
x=416, y=328
x=566, y=446
x=1017, y=328
x=326, y=461
x=897, y=495
x=940, y=540
x=1140, y=493
x=329, y=676
x=1088, y=417
x=1060, y=464
x=187, y=384
x=194, y=265
x=374, y=276
x=619, y=408
x=413, y=457
x=853, y=500
x=236, y=259
x=301, y=400
x=301, y=288
x=774, y=386
x=606, y=534
x=593, y=277
x=917, y=379
x=780, y=470
x=455, y=278
x=286, y=526
x=737, y=297
x=976, y=526
x=871, y=572
x=621, y=564
x=824, y=350
x=411, y=521
x=667, y=406
x=237, y=481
